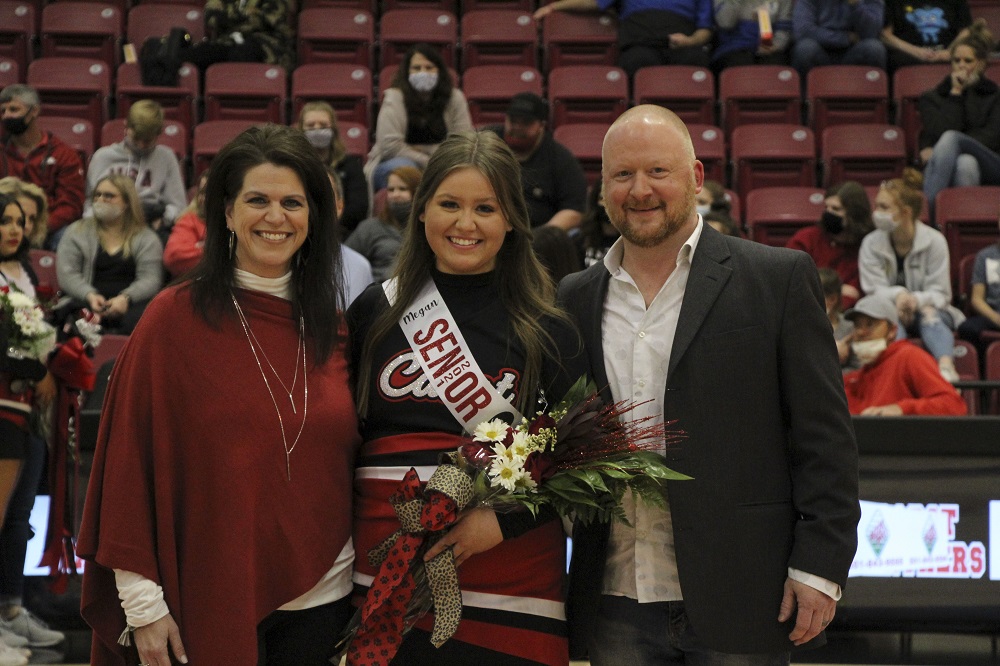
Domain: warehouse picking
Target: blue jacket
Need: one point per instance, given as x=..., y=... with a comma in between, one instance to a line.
x=830, y=22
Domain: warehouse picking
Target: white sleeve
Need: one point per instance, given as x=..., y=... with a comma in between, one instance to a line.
x=142, y=599
x=827, y=587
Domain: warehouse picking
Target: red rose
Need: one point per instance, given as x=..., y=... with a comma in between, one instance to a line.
x=541, y=422
x=477, y=454
x=539, y=466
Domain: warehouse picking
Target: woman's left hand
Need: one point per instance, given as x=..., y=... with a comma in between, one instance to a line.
x=475, y=531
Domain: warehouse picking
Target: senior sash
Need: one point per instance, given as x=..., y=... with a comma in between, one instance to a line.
x=447, y=361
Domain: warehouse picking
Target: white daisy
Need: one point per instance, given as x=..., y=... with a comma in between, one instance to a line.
x=490, y=431
x=506, y=473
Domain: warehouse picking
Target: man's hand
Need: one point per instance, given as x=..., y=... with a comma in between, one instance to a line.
x=153, y=640
x=814, y=610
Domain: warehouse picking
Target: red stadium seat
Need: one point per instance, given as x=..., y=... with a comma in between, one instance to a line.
x=174, y=137
x=966, y=360
x=109, y=348
x=908, y=84
x=336, y=34
x=968, y=218
x=867, y=153
x=355, y=137
x=962, y=295
x=43, y=262
x=347, y=88
x=754, y=94
x=402, y=28
x=370, y=6
x=584, y=140
x=72, y=87
x=993, y=373
x=710, y=148
x=772, y=155
x=9, y=72
x=252, y=91
x=499, y=37
x=687, y=91
x=846, y=94
x=18, y=30
x=82, y=30
x=179, y=102
x=450, y=6
x=587, y=94
x=990, y=11
x=774, y=214
x=209, y=138
x=156, y=20
x=488, y=89
x=77, y=133
x=474, y=5
x=579, y=39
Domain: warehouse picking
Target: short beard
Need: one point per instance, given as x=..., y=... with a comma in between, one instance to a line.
x=675, y=217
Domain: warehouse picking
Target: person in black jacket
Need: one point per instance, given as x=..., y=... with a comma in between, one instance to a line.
x=960, y=139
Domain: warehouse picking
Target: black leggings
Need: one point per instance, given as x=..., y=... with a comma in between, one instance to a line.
x=304, y=637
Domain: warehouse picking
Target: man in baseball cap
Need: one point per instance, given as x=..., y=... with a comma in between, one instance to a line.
x=554, y=185
x=896, y=377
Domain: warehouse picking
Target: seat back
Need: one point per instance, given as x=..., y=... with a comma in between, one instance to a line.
x=772, y=155
x=687, y=91
x=77, y=133
x=866, y=153
x=488, y=89
x=82, y=30
x=10, y=72
x=710, y=149
x=908, y=84
x=355, y=137
x=846, y=94
x=587, y=94
x=72, y=87
x=402, y=28
x=774, y=214
x=755, y=94
x=993, y=373
x=179, y=102
x=467, y=6
x=209, y=138
x=579, y=39
x=968, y=218
x=252, y=91
x=156, y=20
x=43, y=262
x=966, y=360
x=345, y=87
x=336, y=35
x=584, y=140
x=18, y=31
x=499, y=37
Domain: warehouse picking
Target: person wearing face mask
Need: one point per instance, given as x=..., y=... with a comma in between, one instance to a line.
x=379, y=238
x=37, y=156
x=318, y=121
x=419, y=110
x=836, y=238
x=111, y=262
x=597, y=234
x=713, y=199
x=555, y=188
x=907, y=262
x=960, y=133
x=896, y=377
x=154, y=168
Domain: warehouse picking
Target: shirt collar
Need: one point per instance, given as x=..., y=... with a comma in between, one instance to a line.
x=614, y=255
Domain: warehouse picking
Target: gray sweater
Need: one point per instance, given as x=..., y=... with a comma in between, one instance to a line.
x=379, y=243
x=157, y=177
x=75, y=262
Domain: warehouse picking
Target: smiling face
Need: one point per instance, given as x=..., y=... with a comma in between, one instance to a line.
x=463, y=223
x=270, y=216
x=11, y=230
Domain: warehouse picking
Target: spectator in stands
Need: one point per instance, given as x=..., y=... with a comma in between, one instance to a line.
x=896, y=376
x=906, y=261
x=985, y=299
x=357, y=271
x=379, y=238
x=39, y=157
x=35, y=206
x=555, y=188
x=923, y=31
x=154, y=168
x=319, y=121
x=419, y=110
x=837, y=32
x=738, y=37
x=555, y=249
x=597, y=234
x=653, y=32
x=960, y=137
x=843, y=329
x=722, y=223
x=713, y=198
x=835, y=240
x=187, y=238
x=112, y=262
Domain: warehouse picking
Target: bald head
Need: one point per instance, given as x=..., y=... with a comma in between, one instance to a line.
x=649, y=118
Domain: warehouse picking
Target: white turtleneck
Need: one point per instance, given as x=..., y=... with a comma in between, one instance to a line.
x=279, y=286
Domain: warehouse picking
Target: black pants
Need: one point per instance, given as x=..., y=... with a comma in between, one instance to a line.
x=417, y=650
x=636, y=57
x=302, y=638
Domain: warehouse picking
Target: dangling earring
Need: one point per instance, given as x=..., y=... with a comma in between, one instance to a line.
x=232, y=243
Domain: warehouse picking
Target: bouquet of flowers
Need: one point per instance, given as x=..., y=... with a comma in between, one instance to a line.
x=27, y=335
x=577, y=459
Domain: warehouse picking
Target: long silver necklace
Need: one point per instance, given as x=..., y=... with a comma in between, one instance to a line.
x=300, y=351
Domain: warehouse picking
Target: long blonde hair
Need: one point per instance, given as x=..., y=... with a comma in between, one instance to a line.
x=338, y=151
x=133, y=220
x=526, y=291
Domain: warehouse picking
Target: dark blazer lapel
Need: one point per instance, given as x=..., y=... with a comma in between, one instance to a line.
x=705, y=282
x=596, y=291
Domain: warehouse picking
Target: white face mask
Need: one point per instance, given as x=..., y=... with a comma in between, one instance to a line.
x=320, y=137
x=704, y=209
x=105, y=212
x=884, y=221
x=424, y=81
x=868, y=350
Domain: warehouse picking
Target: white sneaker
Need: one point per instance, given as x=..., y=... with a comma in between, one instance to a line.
x=37, y=632
x=11, y=656
x=11, y=639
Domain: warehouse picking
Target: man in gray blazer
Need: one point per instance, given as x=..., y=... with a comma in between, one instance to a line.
x=730, y=339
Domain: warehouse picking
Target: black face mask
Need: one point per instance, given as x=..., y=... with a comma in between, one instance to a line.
x=400, y=211
x=15, y=126
x=833, y=224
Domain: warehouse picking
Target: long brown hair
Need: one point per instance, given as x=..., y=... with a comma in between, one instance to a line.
x=526, y=292
x=133, y=220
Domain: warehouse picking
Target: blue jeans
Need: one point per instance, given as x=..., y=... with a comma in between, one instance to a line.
x=16, y=529
x=381, y=174
x=934, y=332
x=808, y=53
x=632, y=634
x=959, y=160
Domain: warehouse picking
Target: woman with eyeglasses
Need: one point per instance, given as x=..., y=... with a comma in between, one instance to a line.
x=111, y=262
x=960, y=138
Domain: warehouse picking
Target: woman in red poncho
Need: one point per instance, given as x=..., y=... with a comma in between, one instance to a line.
x=217, y=521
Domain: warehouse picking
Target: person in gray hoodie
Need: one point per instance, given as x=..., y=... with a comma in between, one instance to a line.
x=153, y=167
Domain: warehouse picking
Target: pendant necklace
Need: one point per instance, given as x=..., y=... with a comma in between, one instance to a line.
x=300, y=351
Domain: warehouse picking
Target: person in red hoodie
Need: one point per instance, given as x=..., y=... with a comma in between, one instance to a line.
x=896, y=376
